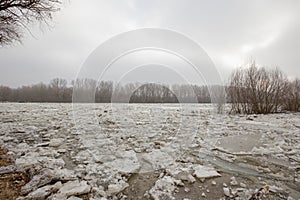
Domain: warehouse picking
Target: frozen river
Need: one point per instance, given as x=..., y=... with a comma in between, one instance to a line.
x=153, y=151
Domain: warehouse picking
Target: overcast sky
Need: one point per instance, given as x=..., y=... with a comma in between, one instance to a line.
x=231, y=32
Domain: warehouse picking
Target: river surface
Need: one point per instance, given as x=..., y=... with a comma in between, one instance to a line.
x=102, y=141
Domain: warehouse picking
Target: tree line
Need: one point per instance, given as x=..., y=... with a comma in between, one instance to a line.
x=58, y=90
x=250, y=90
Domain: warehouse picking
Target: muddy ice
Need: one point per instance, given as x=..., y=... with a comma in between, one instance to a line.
x=156, y=151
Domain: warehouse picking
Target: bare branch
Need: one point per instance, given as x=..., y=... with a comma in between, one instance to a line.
x=16, y=15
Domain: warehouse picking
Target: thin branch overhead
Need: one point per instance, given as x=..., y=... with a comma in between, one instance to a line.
x=16, y=15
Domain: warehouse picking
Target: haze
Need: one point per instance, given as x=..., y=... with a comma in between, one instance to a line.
x=231, y=32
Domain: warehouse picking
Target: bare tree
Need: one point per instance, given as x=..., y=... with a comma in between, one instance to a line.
x=218, y=97
x=57, y=88
x=153, y=93
x=104, y=92
x=15, y=15
x=257, y=90
x=292, y=99
x=5, y=93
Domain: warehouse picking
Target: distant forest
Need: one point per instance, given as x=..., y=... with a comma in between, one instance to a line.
x=251, y=90
x=106, y=91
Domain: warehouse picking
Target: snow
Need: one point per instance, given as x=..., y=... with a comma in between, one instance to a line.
x=105, y=144
x=205, y=172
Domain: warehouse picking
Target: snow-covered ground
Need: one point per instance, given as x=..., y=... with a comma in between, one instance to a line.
x=158, y=151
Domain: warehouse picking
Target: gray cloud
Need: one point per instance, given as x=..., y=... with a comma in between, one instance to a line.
x=230, y=31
